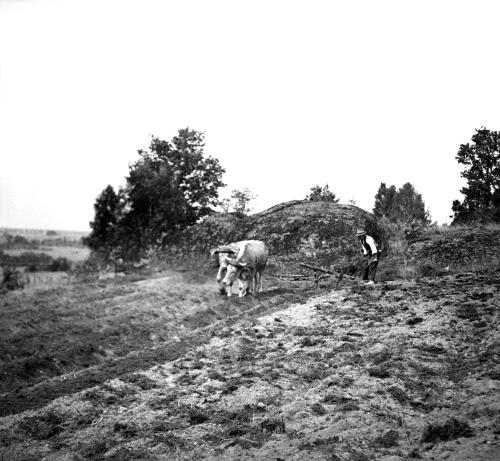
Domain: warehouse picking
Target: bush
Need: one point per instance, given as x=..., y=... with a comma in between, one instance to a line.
x=12, y=279
x=89, y=268
x=413, y=229
x=428, y=269
x=60, y=264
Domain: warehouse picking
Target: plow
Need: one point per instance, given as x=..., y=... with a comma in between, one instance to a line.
x=315, y=276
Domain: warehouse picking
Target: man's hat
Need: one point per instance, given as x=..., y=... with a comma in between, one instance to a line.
x=360, y=232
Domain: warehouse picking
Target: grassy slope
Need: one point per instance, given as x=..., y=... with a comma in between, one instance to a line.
x=352, y=374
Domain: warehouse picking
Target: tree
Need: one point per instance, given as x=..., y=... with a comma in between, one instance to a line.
x=482, y=172
x=401, y=206
x=384, y=201
x=408, y=205
x=171, y=186
x=321, y=194
x=104, y=226
x=239, y=202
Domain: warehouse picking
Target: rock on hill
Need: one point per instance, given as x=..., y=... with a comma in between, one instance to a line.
x=458, y=248
x=322, y=232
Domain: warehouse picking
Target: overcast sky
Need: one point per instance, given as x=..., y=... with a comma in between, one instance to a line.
x=289, y=93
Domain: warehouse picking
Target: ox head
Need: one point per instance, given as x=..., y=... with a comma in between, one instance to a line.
x=221, y=255
x=236, y=271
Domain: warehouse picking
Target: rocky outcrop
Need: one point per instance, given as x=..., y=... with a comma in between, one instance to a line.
x=322, y=232
x=458, y=248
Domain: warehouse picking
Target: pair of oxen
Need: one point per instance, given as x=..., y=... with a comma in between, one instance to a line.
x=244, y=262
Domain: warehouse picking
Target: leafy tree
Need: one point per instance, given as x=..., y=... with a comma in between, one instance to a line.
x=482, y=172
x=408, y=205
x=239, y=202
x=384, y=201
x=402, y=206
x=170, y=186
x=103, y=235
x=321, y=194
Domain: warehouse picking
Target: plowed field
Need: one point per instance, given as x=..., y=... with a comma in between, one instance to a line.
x=167, y=368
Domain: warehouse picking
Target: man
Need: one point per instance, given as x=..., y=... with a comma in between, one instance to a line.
x=369, y=249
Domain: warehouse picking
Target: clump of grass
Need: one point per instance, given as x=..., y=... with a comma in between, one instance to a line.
x=379, y=372
x=95, y=449
x=313, y=374
x=140, y=380
x=318, y=409
x=428, y=269
x=381, y=356
x=387, y=439
x=170, y=440
x=447, y=430
x=128, y=454
x=44, y=426
x=336, y=399
x=398, y=394
x=125, y=429
x=85, y=419
x=196, y=415
x=319, y=443
x=276, y=425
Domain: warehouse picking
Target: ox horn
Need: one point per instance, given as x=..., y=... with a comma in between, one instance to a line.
x=222, y=249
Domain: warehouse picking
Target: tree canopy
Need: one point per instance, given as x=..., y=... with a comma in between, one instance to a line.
x=171, y=186
x=400, y=206
x=239, y=202
x=104, y=225
x=481, y=160
x=321, y=194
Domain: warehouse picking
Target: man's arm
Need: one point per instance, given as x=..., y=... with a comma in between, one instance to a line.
x=371, y=243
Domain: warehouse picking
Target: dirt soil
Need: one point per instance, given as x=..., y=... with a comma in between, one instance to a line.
x=165, y=368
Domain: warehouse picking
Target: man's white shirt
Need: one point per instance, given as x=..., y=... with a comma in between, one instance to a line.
x=371, y=243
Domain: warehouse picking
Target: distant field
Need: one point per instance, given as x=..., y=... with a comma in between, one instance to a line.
x=74, y=254
x=44, y=234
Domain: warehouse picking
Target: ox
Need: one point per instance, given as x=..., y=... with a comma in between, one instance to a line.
x=247, y=267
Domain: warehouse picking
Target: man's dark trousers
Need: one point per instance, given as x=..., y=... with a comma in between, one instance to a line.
x=371, y=268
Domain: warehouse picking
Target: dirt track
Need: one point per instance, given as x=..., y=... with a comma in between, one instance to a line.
x=408, y=369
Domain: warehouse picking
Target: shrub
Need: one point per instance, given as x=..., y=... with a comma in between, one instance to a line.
x=60, y=264
x=12, y=279
x=428, y=269
x=89, y=268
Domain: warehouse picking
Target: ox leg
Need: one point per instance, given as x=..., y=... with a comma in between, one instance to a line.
x=259, y=275
x=219, y=274
x=254, y=283
x=222, y=289
x=243, y=286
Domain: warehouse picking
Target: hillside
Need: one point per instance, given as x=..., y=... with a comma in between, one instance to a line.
x=459, y=247
x=320, y=232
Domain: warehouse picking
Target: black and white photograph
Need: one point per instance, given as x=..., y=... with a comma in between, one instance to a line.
x=249, y=230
